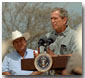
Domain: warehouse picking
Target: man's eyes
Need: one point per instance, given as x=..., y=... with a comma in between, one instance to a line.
x=20, y=40
x=54, y=18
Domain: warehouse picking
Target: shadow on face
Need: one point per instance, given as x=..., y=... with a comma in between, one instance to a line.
x=20, y=44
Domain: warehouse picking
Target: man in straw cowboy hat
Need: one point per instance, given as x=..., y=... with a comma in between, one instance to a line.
x=12, y=61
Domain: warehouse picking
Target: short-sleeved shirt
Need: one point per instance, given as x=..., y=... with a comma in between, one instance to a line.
x=12, y=63
x=65, y=42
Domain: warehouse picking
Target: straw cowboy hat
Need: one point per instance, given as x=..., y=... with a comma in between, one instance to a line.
x=17, y=34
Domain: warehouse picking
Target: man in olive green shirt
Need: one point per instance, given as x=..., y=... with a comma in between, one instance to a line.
x=65, y=43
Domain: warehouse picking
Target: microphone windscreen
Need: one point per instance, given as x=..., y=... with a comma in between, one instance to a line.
x=53, y=37
x=43, y=37
x=42, y=41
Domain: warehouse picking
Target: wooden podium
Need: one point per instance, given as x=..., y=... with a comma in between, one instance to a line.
x=59, y=62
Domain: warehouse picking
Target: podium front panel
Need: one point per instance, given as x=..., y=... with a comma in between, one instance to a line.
x=27, y=64
x=58, y=62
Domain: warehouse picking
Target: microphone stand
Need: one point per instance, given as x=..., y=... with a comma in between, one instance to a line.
x=45, y=49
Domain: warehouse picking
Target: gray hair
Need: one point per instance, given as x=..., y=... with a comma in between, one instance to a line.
x=63, y=12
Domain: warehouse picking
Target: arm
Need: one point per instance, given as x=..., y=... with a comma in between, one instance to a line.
x=50, y=52
x=5, y=66
x=6, y=73
x=66, y=55
x=78, y=70
x=54, y=55
x=64, y=72
x=36, y=73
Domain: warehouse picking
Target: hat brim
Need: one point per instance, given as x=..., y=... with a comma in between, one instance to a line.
x=25, y=35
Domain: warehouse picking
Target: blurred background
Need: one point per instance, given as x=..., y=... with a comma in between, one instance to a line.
x=34, y=17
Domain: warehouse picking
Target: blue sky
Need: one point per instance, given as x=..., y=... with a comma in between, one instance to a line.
x=75, y=7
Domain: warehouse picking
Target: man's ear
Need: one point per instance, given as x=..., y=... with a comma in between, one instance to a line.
x=13, y=44
x=65, y=20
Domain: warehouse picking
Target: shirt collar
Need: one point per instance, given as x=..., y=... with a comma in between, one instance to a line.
x=25, y=53
x=66, y=30
x=19, y=55
x=63, y=33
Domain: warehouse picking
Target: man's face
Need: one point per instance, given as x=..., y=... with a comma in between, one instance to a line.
x=20, y=44
x=57, y=22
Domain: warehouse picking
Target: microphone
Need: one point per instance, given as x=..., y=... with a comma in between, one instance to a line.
x=51, y=39
x=42, y=44
x=42, y=41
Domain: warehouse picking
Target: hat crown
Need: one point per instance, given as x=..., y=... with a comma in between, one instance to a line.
x=16, y=34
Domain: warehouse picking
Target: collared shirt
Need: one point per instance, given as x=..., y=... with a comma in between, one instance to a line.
x=12, y=63
x=65, y=42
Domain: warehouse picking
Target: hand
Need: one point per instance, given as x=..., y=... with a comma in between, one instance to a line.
x=6, y=73
x=64, y=72
x=78, y=70
x=36, y=53
x=50, y=52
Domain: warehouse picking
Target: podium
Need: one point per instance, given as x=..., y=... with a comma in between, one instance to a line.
x=59, y=62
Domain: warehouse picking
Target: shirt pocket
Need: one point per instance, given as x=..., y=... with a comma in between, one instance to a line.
x=64, y=49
